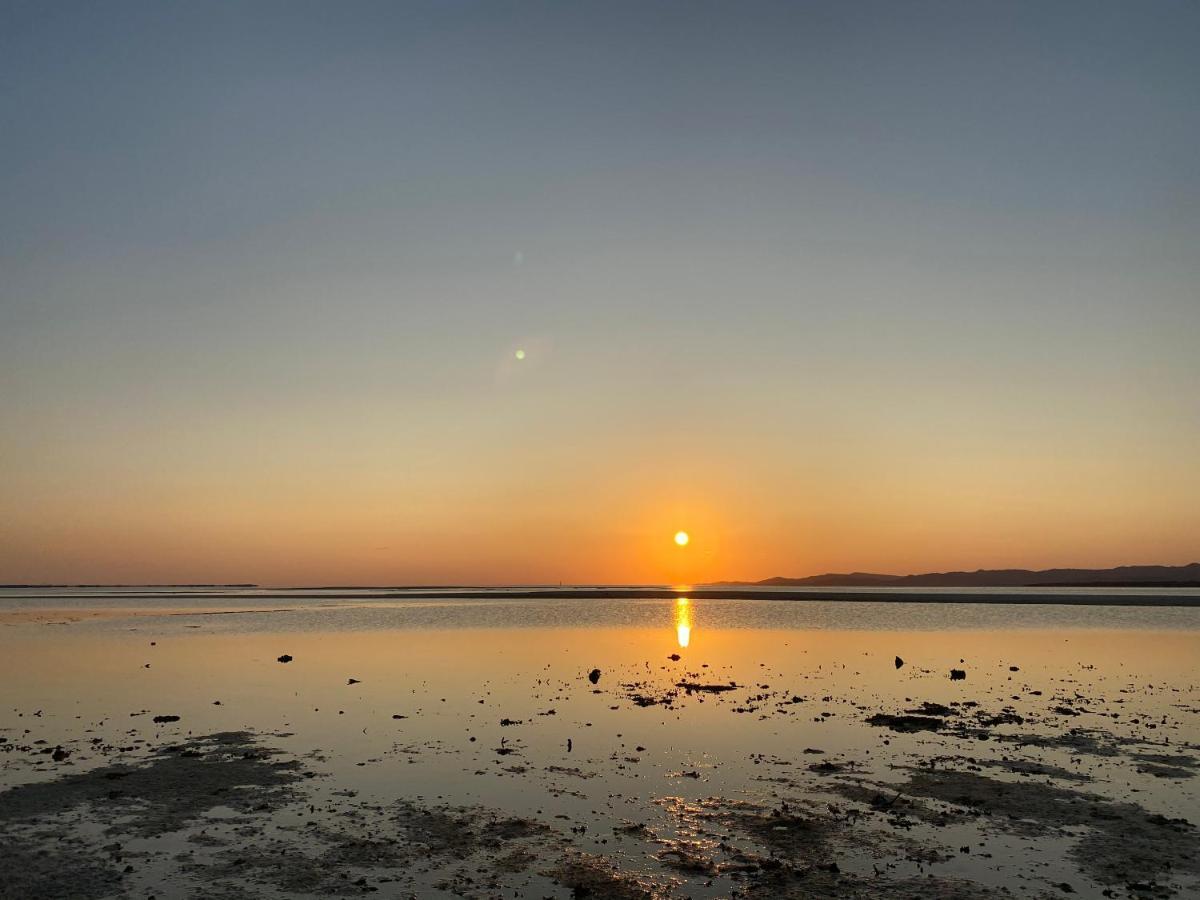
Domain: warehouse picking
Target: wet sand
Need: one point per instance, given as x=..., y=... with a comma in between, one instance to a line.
x=173, y=754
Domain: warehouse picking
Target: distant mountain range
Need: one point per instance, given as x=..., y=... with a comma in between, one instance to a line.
x=1122, y=576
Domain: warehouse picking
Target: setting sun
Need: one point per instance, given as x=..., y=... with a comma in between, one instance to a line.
x=681, y=538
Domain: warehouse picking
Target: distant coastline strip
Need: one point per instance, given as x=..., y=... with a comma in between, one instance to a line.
x=1128, y=597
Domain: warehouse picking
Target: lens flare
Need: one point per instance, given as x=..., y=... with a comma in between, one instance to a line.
x=681, y=538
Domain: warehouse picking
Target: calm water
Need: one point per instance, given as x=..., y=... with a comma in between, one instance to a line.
x=80, y=665
x=350, y=608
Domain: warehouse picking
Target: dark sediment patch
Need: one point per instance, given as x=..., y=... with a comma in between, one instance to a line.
x=36, y=868
x=691, y=858
x=891, y=802
x=1175, y=773
x=173, y=789
x=460, y=832
x=284, y=868
x=783, y=831
x=1124, y=843
x=786, y=882
x=1175, y=766
x=701, y=688
x=1182, y=760
x=803, y=849
x=514, y=861
x=366, y=846
x=907, y=723
x=648, y=694
x=1031, y=768
x=1090, y=742
x=441, y=832
x=933, y=709
x=596, y=877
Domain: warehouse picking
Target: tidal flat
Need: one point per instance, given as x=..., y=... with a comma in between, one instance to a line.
x=209, y=744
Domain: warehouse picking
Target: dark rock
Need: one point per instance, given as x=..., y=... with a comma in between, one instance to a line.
x=957, y=675
x=826, y=767
x=594, y=676
x=285, y=658
x=899, y=662
x=696, y=686
x=1007, y=717
x=159, y=720
x=933, y=709
x=907, y=724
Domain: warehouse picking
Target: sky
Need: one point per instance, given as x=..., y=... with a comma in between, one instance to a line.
x=832, y=286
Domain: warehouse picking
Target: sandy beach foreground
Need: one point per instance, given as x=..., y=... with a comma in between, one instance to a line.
x=640, y=748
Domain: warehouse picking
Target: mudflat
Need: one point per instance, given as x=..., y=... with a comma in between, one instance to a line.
x=560, y=747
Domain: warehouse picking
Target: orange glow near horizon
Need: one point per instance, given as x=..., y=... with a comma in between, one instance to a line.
x=302, y=514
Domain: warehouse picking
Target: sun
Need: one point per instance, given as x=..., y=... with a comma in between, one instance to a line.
x=681, y=538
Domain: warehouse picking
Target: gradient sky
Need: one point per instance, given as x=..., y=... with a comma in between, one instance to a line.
x=875, y=286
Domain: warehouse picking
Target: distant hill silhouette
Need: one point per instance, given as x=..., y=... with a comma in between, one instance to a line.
x=1122, y=576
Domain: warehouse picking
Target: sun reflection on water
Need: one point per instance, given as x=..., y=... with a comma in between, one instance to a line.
x=683, y=621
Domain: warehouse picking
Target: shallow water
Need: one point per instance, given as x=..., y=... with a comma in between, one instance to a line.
x=88, y=673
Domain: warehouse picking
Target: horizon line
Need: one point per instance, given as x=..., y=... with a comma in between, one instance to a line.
x=565, y=584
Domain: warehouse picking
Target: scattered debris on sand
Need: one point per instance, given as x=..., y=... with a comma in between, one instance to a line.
x=696, y=687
